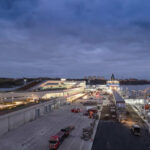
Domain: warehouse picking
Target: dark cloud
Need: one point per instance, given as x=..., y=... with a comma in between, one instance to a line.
x=74, y=38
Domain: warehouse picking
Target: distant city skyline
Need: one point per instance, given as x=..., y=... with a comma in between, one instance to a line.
x=75, y=38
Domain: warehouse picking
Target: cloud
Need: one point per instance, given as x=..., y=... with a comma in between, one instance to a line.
x=74, y=38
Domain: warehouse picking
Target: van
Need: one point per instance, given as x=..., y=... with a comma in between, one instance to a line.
x=136, y=130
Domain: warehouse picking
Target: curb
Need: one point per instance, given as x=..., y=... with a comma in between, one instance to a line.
x=95, y=129
x=148, y=125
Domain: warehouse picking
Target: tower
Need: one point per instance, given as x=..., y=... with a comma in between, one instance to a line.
x=112, y=77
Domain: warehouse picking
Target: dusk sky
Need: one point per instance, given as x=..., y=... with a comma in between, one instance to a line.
x=75, y=38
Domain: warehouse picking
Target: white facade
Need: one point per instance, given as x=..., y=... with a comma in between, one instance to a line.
x=113, y=85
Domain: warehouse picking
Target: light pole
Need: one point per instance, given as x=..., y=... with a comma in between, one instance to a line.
x=12, y=99
x=0, y=99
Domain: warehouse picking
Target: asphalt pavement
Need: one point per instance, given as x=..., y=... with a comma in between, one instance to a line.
x=113, y=135
x=35, y=135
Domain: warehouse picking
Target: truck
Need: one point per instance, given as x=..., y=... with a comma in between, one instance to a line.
x=91, y=114
x=92, y=110
x=67, y=130
x=75, y=110
x=56, y=140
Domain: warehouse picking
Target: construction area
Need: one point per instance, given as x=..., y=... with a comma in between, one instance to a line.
x=72, y=119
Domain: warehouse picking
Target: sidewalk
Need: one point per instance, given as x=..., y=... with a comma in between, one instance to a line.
x=139, y=114
x=95, y=129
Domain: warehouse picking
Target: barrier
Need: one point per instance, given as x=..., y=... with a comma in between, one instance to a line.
x=15, y=119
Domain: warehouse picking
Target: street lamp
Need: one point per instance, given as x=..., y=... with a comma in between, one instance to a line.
x=12, y=99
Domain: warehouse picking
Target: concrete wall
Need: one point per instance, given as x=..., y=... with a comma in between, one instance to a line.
x=3, y=125
x=15, y=119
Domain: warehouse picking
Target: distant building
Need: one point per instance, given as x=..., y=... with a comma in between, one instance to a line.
x=61, y=84
x=113, y=84
x=85, y=78
x=94, y=78
x=112, y=77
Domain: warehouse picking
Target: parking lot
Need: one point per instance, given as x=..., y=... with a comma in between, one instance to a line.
x=35, y=135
